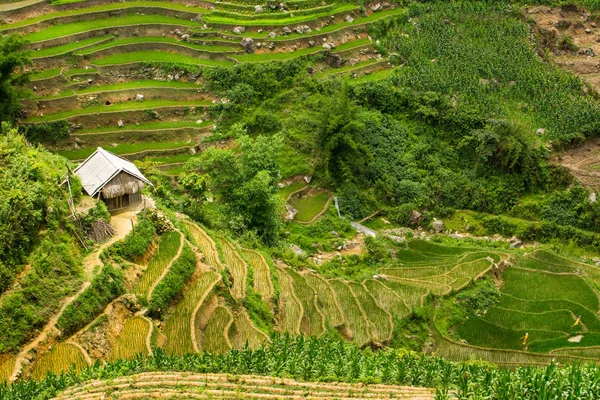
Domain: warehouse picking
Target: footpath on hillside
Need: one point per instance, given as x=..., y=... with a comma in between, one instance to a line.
x=123, y=224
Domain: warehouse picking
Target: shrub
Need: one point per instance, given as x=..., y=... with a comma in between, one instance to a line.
x=46, y=132
x=171, y=285
x=105, y=287
x=137, y=241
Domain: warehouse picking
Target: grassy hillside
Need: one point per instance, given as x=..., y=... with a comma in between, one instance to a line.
x=346, y=172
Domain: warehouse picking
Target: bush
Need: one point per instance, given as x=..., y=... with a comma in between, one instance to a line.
x=6, y=277
x=46, y=132
x=171, y=285
x=137, y=241
x=105, y=287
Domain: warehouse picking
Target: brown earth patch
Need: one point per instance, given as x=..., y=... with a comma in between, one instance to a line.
x=584, y=163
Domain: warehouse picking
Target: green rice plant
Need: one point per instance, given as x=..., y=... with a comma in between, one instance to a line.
x=168, y=246
x=557, y=320
x=261, y=274
x=290, y=312
x=354, y=315
x=284, y=193
x=426, y=246
x=437, y=285
x=145, y=84
x=387, y=298
x=549, y=258
x=215, y=19
x=7, y=364
x=236, y=265
x=206, y=245
x=158, y=125
x=380, y=321
x=127, y=106
x=124, y=148
x=479, y=332
x=178, y=327
x=531, y=263
x=469, y=270
x=588, y=317
x=532, y=285
x=590, y=339
x=131, y=340
x=216, y=340
x=154, y=39
x=59, y=359
x=412, y=295
x=419, y=272
x=243, y=331
x=49, y=73
x=67, y=48
x=309, y=207
x=313, y=320
x=100, y=8
x=157, y=57
x=79, y=71
x=62, y=30
x=326, y=299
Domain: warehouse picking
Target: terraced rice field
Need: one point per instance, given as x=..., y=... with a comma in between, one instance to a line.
x=243, y=331
x=313, y=320
x=60, y=358
x=236, y=266
x=178, y=327
x=543, y=295
x=84, y=49
x=290, y=308
x=132, y=339
x=261, y=273
x=7, y=364
x=216, y=335
x=206, y=245
x=309, y=207
x=181, y=385
x=380, y=321
x=169, y=245
x=326, y=299
x=353, y=313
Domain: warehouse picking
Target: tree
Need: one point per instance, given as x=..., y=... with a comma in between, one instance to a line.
x=13, y=57
x=244, y=183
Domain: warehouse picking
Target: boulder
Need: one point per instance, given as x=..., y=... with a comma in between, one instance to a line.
x=297, y=250
x=185, y=37
x=120, y=123
x=349, y=19
x=592, y=197
x=415, y=217
x=286, y=30
x=335, y=61
x=290, y=213
x=540, y=131
x=199, y=122
x=307, y=179
x=139, y=97
x=438, y=226
x=587, y=52
x=239, y=30
x=272, y=35
x=376, y=7
x=248, y=44
x=258, y=9
x=311, y=43
x=303, y=29
x=515, y=243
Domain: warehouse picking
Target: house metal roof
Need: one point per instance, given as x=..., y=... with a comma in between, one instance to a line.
x=99, y=169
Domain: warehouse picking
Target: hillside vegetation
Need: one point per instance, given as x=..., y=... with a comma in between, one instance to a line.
x=358, y=195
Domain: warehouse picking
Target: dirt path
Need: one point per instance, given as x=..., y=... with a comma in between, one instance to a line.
x=168, y=267
x=123, y=225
